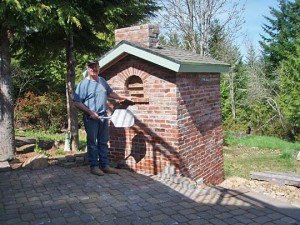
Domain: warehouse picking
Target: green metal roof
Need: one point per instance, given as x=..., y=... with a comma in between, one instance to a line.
x=177, y=60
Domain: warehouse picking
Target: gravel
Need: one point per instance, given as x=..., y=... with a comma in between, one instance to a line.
x=287, y=193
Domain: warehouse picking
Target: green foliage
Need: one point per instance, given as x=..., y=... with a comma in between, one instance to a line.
x=44, y=112
x=59, y=152
x=288, y=98
x=20, y=18
x=262, y=142
x=259, y=153
x=16, y=18
x=218, y=42
x=287, y=154
x=233, y=83
x=282, y=31
x=40, y=49
x=38, y=79
x=48, y=136
x=37, y=149
x=92, y=32
x=271, y=105
x=79, y=151
x=240, y=162
x=233, y=92
x=38, y=37
x=40, y=135
x=263, y=119
x=170, y=40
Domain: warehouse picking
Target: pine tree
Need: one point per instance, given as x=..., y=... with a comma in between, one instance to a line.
x=15, y=17
x=281, y=54
x=282, y=31
x=40, y=32
x=289, y=97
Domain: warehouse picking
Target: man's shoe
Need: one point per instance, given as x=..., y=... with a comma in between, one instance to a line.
x=110, y=170
x=97, y=171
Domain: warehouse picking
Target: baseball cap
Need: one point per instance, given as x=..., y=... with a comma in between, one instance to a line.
x=92, y=62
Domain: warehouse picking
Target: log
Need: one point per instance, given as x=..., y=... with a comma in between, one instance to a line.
x=292, y=179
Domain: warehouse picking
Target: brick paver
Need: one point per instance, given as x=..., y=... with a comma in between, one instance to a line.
x=57, y=195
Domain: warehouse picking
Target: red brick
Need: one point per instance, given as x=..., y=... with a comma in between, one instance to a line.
x=180, y=125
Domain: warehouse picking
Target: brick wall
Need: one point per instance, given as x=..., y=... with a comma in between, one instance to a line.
x=200, y=126
x=145, y=35
x=152, y=142
x=180, y=125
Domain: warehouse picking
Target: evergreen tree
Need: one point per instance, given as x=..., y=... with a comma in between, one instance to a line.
x=76, y=26
x=233, y=83
x=15, y=18
x=289, y=97
x=170, y=40
x=40, y=32
x=282, y=31
x=281, y=54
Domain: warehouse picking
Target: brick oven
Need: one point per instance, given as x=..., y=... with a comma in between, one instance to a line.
x=177, y=106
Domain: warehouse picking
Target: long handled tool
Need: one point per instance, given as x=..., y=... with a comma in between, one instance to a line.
x=121, y=118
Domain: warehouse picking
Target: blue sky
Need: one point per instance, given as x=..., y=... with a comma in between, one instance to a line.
x=254, y=12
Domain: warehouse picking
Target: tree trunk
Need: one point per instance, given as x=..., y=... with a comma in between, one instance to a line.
x=232, y=97
x=7, y=131
x=70, y=88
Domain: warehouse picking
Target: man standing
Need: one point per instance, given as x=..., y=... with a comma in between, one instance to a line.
x=91, y=97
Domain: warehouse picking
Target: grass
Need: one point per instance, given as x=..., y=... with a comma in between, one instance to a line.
x=47, y=136
x=60, y=152
x=259, y=153
x=241, y=155
x=38, y=150
x=40, y=135
x=262, y=142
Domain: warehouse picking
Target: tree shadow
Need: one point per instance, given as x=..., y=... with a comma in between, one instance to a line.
x=144, y=139
x=138, y=147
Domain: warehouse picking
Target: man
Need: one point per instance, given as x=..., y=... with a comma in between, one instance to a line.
x=90, y=97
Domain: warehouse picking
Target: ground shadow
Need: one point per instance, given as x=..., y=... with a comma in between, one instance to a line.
x=57, y=195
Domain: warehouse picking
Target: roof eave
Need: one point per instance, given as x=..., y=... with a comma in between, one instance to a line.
x=140, y=53
x=124, y=48
x=203, y=68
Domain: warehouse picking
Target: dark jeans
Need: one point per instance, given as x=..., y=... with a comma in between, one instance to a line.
x=97, y=139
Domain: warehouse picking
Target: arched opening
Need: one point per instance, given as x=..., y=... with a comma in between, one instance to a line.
x=135, y=86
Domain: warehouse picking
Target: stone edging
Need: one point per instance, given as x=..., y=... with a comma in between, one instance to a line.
x=69, y=161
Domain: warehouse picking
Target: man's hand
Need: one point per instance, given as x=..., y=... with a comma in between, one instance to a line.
x=94, y=116
x=127, y=102
x=86, y=110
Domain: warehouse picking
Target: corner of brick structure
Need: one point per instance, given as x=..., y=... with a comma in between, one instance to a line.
x=179, y=125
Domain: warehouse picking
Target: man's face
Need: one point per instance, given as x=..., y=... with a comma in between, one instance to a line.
x=93, y=70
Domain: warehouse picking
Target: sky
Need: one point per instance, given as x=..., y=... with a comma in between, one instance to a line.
x=254, y=12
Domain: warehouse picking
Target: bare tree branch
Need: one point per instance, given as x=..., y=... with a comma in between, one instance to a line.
x=193, y=20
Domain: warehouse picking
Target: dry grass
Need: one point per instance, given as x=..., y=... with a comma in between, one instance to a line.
x=239, y=161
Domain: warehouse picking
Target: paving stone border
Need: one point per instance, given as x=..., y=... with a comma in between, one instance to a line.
x=169, y=174
x=69, y=161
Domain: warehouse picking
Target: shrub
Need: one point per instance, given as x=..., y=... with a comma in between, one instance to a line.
x=46, y=112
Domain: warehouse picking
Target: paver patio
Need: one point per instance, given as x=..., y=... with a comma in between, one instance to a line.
x=58, y=195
